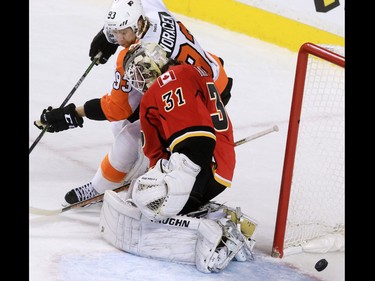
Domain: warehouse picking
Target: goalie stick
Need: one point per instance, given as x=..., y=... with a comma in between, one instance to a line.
x=98, y=198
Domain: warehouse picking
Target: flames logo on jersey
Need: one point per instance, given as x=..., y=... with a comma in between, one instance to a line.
x=166, y=77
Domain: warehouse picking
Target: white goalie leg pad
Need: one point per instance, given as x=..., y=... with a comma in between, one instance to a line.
x=123, y=225
x=231, y=244
x=173, y=239
x=120, y=222
x=209, y=237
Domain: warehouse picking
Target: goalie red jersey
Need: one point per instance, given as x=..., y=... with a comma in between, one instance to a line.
x=181, y=105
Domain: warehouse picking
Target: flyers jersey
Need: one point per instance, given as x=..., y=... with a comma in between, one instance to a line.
x=184, y=103
x=179, y=44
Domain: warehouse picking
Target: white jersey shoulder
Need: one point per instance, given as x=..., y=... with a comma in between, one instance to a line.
x=178, y=42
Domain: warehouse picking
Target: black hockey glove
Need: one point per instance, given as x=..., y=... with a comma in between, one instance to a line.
x=101, y=44
x=59, y=119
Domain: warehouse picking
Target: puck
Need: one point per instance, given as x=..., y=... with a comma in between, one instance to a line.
x=321, y=265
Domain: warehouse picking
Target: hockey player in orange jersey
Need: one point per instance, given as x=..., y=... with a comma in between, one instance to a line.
x=151, y=22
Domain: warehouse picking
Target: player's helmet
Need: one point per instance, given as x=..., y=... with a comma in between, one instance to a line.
x=121, y=15
x=143, y=64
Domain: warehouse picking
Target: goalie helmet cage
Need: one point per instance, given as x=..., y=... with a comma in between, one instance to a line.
x=311, y=200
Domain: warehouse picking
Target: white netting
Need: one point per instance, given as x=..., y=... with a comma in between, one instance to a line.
x=316, y=206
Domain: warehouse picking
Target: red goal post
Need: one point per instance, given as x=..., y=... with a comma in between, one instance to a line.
x=310, y=215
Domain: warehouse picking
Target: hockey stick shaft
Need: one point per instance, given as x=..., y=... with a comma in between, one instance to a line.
x=94, y=61
x=95, y=199
x=275, y=128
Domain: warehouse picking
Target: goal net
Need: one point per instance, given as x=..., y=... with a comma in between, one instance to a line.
x=310, y=216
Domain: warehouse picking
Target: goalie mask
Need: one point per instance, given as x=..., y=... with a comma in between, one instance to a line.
x=143, y=64
x=121, y=15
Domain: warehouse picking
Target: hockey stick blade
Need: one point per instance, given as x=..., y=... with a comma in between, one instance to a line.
x=44, y=212
x=95, y=199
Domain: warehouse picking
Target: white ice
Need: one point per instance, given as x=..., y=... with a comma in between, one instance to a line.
x=68, y=247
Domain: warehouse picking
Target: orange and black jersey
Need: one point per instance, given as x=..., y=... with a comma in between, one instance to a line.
x=122, y=102
x=182, y=112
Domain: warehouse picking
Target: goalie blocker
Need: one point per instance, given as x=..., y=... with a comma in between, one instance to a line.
x=210, y=241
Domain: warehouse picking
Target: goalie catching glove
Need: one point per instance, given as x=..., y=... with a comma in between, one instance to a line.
x=164, y=190
x=59, y=119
